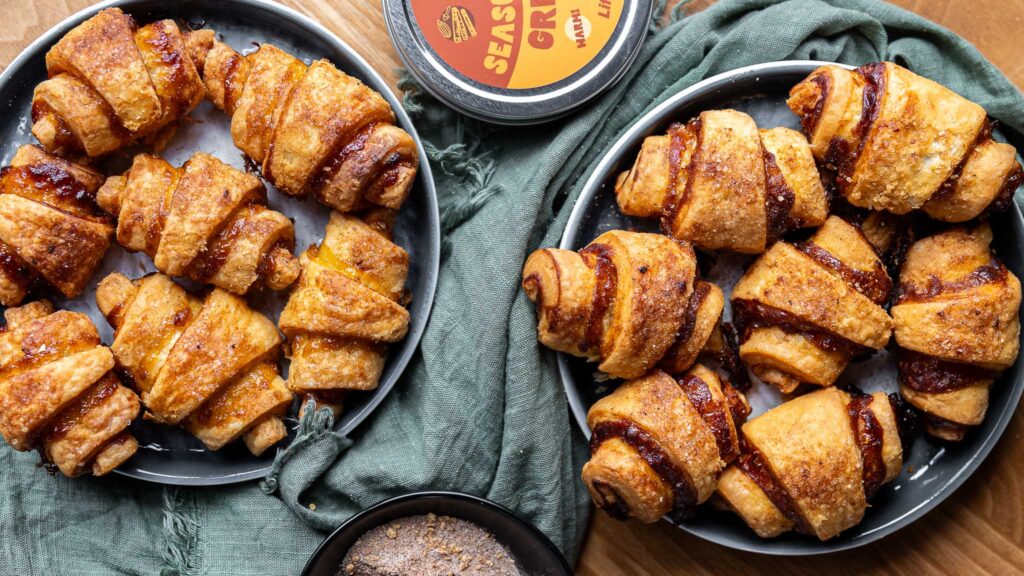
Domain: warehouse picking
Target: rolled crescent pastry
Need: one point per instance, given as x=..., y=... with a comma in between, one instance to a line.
x=806, y=309
x=658, y=444
x=628, y=301
x=812, y=463
x=312, y=129
x=112, y=82
x=346, y=308
x=957, y=327
x=900, y=142
x=58, y=394
x=722, y=184
x=205, y=221
x=207, y=364
x=50, y=226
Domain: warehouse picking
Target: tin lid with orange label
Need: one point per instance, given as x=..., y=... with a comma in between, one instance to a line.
x=517, y=61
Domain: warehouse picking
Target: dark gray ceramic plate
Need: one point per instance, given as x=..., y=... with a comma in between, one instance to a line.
x=932, y=471
x=169, y=455
x=534, y=554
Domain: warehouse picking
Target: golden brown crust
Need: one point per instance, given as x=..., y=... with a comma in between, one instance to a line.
x=208, y=364
x=796, y=163
x=700, y=323
x=221, y=342
x=900, y=142
x=205, y=221
x=257, y=397
x=90, y=425
x=658, y=445
x=116, y=452
x=740, y=494
x=884, y=231
x=112, y=82
x=643, y=190
x=50, y=226
x=313, y=129
x=58, y=394
x=807, y=309
x=957, y=327
x=653, y=276
x=232, y=69
x=199, y=43
x=265, y=434
x=828, y=495
x=813, y=462
x=622, y=301
x=172, y=71
x=723, y=201
x=345, y=309
x=309, y=127
x=989, y=169
x=957, y=301
x=268, y=77
x=562, y=285
x=723, y=184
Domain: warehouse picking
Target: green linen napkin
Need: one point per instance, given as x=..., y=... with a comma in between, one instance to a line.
x=481, y=408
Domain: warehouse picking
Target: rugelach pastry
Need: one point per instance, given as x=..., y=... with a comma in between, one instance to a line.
x=658, y=444
x=112, y=82
x=58, y=393
x=51, y=230
x=312, y=129
x=812, y=463
x=900, y=142
x=348, y=305
x=957, y=327
x=628, y=301
x=208, y=364
x=804, y=310
x=205, y=221
x=723, y=184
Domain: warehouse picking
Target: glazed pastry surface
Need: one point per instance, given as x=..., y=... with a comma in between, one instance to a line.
x=205, y=221
x=51, y=229
x=312, y=129
x=628, y=301
x=900, y=142
x=723, y=184
x=658, y=444
x=58, y=394
x=112, y=82
x=207, y=364
x=812, y=463
x=957, y=327
x=806, y=309
x=347, y=307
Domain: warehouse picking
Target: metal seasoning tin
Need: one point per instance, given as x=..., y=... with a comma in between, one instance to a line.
x=517, y=61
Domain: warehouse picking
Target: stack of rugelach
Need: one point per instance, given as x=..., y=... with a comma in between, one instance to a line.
x=881, y=147
x=207, y=362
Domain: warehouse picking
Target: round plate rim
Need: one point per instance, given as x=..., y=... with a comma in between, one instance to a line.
x=600, y=175
x=375, y=81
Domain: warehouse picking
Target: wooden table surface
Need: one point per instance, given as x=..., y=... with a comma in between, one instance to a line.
x=978, y=530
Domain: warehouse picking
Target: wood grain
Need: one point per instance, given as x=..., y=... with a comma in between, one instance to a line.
x=979, y=530
x=357, y=22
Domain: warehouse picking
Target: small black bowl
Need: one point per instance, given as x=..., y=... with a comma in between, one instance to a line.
x=533, y=552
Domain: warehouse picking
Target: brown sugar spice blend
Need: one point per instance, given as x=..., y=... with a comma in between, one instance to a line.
x=428, y=545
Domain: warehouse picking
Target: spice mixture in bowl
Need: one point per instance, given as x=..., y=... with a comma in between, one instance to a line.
x=437, y=533
x=429, y=545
